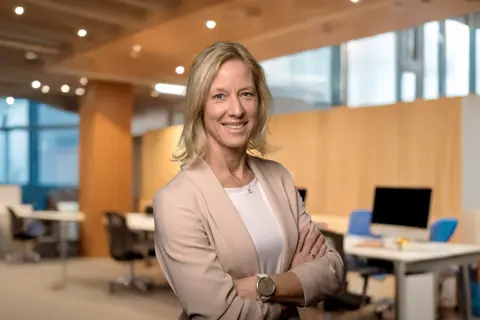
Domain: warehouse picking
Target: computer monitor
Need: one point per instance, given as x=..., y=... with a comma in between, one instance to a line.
x=303, y=193
x=401, y=212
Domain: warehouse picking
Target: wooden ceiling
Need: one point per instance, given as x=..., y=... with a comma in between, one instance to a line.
x=143, y=41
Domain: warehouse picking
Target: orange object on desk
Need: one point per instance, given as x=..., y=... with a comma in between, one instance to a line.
x=370, y=244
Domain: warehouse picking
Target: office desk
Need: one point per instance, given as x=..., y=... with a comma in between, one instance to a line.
x=59, y=217
x=142, y=222
x=420, y=257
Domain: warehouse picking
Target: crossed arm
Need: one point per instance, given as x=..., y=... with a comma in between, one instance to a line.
x=206, y=292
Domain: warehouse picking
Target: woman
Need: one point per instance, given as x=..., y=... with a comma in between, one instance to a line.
x=232, y=234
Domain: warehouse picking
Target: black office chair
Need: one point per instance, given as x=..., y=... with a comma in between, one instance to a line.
x=122, y=250
x=345, y=301
x=20, y=236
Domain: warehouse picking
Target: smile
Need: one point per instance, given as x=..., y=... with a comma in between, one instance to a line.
x=234, y=125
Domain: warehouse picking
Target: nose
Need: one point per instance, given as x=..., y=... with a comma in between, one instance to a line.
x=235, y=108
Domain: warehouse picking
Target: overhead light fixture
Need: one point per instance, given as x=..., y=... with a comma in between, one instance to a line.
x=65, y=88
x=80, y=91
x=10, y=100
x=19, y=10
x=83, y=81
x=82, y=33
x=30, y=55
x=180, y=70
x=355, y=1
x=170, y=89
x=137, y=48
x=45, y=89
x=154, y=94
x=210, y=24
x=36, y=84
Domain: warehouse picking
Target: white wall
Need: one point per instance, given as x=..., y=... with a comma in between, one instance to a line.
x=471, y=153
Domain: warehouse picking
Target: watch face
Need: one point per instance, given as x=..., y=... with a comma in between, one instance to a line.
x=266, y=287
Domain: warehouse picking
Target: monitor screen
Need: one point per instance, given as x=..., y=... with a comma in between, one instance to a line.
x=303, y=193
x=408, y=207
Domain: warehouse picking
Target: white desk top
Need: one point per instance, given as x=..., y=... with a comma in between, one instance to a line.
x=52, y=215
x=413, y=251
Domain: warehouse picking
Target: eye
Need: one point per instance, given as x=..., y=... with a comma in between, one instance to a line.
x=247, y=94
x=219, y=96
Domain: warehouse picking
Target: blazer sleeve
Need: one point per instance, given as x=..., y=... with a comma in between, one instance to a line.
x=323, y=276
x=192, y=268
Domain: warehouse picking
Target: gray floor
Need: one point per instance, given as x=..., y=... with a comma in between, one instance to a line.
x=26, y=294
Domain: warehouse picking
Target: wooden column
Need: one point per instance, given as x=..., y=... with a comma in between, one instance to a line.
x=106, y=157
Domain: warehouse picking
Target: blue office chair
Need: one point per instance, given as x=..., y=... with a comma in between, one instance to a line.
x=359, y=225
x=443, y=229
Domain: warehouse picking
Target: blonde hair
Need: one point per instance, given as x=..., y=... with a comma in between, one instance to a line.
x=193, y=140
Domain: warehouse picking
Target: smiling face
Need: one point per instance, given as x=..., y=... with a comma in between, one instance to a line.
x=231, y=108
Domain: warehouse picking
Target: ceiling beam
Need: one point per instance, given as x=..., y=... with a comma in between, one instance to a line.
x=161, y=5
x=88, y=13
x=25, y=46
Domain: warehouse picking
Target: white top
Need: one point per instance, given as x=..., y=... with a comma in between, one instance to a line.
x=262, y=224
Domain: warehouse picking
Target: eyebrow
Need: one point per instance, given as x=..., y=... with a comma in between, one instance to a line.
x=241, y=89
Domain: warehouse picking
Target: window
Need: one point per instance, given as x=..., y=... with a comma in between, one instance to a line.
x=457, y=41
x=300, y=81
x=430, y=58
x=478, y=60
x=372, y=70
x=15, y=115
x=18, y=156
x=48, y=115
x=3, y=158
x=409, y=83
x=58, y=157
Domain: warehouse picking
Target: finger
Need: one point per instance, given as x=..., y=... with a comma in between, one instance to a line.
x=322, y=252
x=301, y=238
x=310, y=240
x=318, y=245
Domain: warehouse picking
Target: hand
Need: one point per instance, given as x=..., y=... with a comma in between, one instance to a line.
x=246, y=287
x=311, y=245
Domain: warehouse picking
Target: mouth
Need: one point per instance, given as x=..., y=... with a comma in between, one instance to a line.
x=235, y=126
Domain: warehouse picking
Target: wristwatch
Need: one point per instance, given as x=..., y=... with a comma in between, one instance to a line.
x=265, y=287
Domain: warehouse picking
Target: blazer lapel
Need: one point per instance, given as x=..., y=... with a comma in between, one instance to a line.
x=277, y=197
x=225, y=216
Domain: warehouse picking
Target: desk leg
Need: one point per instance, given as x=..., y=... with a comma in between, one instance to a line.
x=400, y=290
x=62, y=284
x=466, y=295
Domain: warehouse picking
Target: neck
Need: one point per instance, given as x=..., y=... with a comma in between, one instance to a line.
x=228, y=161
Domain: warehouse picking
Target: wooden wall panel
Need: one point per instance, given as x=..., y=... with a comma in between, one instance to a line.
x=341, y=154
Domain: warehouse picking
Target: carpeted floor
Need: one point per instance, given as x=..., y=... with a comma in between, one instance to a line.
x=26, y=293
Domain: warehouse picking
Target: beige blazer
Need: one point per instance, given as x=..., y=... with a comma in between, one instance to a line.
x=203, y=245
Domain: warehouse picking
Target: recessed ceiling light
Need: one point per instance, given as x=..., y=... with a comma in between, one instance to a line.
x=355, y=1
x=82, y=33
x=30, y=55
x=137, y=48
x=45, y=89
x=83, y=81
x=80, y=91
x=170, y=89
x=154, y=94
x=19, y=10
x=210, y=24
x=180, y=70
x=10, y=100
x=65, y=88
x=36, y=84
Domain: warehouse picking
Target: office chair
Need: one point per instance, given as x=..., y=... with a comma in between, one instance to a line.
x=25, y=239
x=359, y=225
x=345, y=301
x=122, y=250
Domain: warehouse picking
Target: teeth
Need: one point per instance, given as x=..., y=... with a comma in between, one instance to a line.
x=233, y=126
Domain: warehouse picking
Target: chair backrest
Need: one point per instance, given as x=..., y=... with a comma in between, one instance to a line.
x=336, y=240
x=359, y=223
x=119, y=236
x=303, y=194
x=148, y=210
x=16, y=223
x=443, y=229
